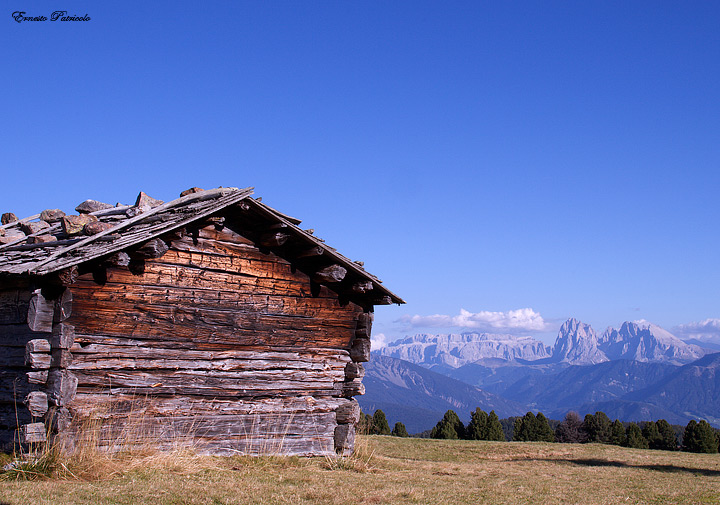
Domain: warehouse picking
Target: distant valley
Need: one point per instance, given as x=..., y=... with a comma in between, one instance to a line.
x=637, y=372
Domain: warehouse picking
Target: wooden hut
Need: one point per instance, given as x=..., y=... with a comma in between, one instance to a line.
x=212, y=320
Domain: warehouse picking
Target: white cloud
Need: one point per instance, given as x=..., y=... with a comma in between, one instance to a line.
x=520, y=320
x=378, y=341
x=705, y=331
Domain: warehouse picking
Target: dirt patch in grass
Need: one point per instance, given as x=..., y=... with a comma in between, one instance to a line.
x=399, y=471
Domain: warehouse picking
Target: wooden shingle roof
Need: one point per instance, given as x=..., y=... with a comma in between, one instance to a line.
x=51, y=242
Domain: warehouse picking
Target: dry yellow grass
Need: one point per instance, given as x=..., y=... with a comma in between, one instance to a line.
x=396, y=471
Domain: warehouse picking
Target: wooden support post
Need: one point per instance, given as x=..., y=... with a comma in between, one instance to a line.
x=63, y=336
x=344, y=439
x=61, y=386
x=63, y=306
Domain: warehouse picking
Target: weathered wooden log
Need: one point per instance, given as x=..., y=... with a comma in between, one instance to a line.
x=33, y=433
x=348, y=412
x=63, y=306
x=61, y=358
x=362, y=287
x=52, y=215
x=14, y=304
x=352, y=388
x=31, y=228
x=332, y=273
x=360, y=350
x=362, y=333
x=74, y=225
x=37, y=377
x=365, y=320
x=89, y=206
x=154, y=248
x=119, y=259
x=63, y=336
x=312, y=252
x=354, y=370
x=61, y=387
x=96, y=227
x=38, y=360
x=274, y=239
x=38, y=345
x=344, y=439
x=8, y=218
x=40, y=312
x=37, y=403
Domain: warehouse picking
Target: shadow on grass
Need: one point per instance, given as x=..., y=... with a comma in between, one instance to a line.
x=658, y=468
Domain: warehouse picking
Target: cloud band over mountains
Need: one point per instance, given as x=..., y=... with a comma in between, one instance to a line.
x=517, y=321
x=707, y=330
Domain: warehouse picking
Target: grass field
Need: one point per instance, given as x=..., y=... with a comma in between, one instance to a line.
x=391, y=470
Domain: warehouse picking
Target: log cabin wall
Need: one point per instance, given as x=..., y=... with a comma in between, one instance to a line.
x=34, y=354
x=218, y=345
x=211, y=320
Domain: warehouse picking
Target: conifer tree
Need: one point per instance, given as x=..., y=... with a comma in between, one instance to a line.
x=597, y=427
x=634, y=437
x=399, y=430
x=667, y=435
x=380, y=425
x=652, y=435
x=449, y=427
x=493, y=428
x=365, y=423
x=617, y=433
x=525, y=428
x=700, y=437
x=477, y=428
x=570, y=430
x=543, y=432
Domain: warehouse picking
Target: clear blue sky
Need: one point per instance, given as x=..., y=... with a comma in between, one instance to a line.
x=491, y=156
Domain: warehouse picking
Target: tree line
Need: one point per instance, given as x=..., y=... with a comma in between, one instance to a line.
x=594, y=428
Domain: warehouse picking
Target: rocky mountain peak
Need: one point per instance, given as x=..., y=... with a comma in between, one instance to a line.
x=644, y=341
x=577, y=343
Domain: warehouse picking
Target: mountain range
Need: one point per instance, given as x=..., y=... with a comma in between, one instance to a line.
x=576, y=343
x=637, y=372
